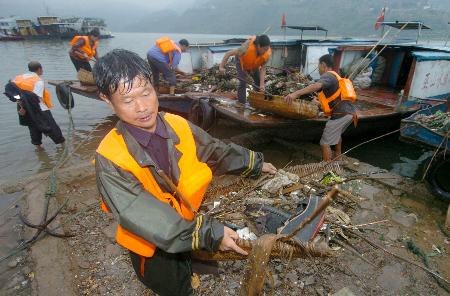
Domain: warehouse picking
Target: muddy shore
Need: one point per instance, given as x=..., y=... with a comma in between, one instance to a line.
x=90, y=263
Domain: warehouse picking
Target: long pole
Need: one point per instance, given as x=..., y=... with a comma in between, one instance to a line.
x=448, y=36
x=381, y=50
x=373, y=48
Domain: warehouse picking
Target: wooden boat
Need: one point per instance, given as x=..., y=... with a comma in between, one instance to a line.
x=378, y=109
x=11, y=38
x=418, y=70
x=437, y=173
x=413, y=131
x=178, y=103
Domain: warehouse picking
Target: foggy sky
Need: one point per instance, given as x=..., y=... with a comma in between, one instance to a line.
x=117, y=13
x=124, y=14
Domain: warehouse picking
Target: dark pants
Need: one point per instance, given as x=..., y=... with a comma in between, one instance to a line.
x=243, y=78
x=165, y=274
x=55, y=132
x=161, y=67
x=80, y=64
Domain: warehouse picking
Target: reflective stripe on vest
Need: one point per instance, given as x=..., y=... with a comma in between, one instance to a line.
x=28, y=83
x=250, y=60
x=167, y=46
x=194, y=179
x=86, y=48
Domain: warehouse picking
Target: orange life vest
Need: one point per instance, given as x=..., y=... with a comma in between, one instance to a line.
x=28, y=84
x=86, y=48
x=250, y=60
x=194, y=179
x=345, y=91
x=167, y=46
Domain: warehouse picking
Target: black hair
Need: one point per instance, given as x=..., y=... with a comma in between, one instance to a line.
x=184, y=42
x=34, y=66
x=262, y=40
x=118, y=68
x=95, y=32
x=327, y=59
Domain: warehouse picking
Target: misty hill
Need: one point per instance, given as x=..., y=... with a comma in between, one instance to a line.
x=341, y=18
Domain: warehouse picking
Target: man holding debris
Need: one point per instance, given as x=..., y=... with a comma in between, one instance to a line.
x=153, y=170
x=164, y=58
x=83, y=49
x=250, y=59
x=336, y=101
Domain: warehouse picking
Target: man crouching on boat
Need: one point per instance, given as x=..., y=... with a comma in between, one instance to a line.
x=250, y=59
x=164, y=57
x=341, y=111
x=153, y=170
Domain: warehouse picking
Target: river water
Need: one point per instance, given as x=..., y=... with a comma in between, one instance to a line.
x=18, y=158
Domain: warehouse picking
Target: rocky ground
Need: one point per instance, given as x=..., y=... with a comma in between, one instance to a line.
x=90, y=263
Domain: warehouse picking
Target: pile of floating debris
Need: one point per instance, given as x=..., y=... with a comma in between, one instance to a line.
x=278, y=81
x=285, y=82
x=438, y=122
x=212, y=80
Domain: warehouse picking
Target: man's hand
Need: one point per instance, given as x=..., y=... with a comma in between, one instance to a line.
x=262, y=88
x=290, y=98
x=221, y=69
x=315, y=101
x=269, y=168
x=228, y=242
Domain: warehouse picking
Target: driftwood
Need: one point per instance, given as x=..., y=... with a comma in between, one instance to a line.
x=257, y=269
x=287, y=249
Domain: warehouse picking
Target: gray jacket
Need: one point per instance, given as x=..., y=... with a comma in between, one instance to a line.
x=139, y=212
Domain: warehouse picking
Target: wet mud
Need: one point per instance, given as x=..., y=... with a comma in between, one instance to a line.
x=91, y=263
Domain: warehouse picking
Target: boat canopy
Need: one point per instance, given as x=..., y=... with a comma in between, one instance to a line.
x=407, y=25
x=412, y=25
x=307, y=28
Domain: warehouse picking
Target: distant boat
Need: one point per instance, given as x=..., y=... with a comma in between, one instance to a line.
x=51, y=27
x=4, y=37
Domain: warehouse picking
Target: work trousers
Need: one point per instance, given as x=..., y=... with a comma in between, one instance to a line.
x=243, y=78
x=164, y=273
x=80, y=64
x=55, y=132
x=159, y=67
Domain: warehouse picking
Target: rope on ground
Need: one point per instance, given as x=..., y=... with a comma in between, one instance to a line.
x=375, y=245
x=415, y=249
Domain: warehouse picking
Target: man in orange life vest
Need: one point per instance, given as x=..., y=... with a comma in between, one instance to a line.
x=153, y=170
x=164, y=58
x=342, y=112
x=83, y=49
x=250, y=59
x=32, y=87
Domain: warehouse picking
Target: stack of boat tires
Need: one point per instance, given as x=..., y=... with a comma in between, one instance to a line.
x=64, y=95
x=202, y=114
x=438, y=175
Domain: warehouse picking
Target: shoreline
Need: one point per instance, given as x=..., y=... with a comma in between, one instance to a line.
x=91, y=263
